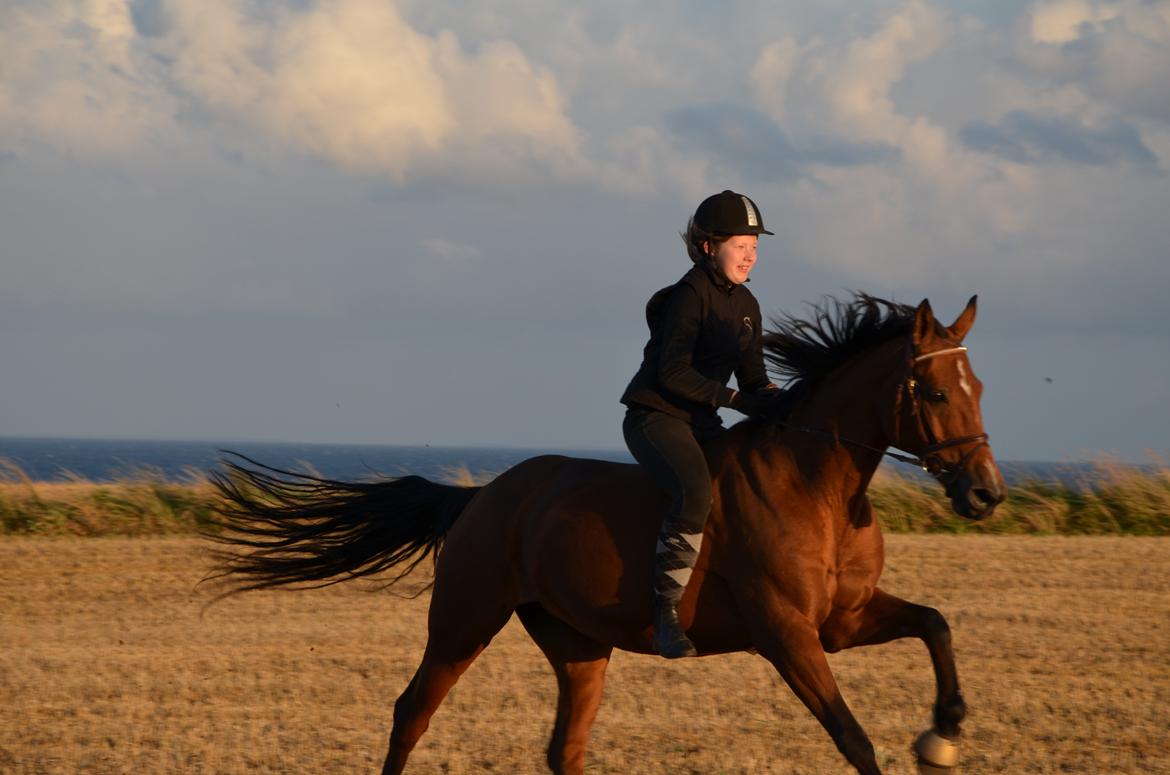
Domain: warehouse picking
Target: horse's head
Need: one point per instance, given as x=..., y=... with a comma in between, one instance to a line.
x=938, y=417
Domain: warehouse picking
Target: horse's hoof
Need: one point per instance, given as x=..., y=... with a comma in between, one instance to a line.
x=936, y=754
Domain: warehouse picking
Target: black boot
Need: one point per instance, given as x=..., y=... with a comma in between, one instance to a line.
x=669, y=639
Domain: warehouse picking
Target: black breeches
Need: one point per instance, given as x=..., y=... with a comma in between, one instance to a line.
x=668, y=449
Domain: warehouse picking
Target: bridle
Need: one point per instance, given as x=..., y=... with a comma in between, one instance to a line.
x=928, y=459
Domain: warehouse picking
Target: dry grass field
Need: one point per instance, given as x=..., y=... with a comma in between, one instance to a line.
x=108, y=664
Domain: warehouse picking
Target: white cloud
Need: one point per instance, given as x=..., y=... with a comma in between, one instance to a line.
x=1062, y=21
x=846, y=83
x=524, y=96
x=449, y=250
x=933, y=196
x=349, y=81
x=74, y=77
x=1113, y=55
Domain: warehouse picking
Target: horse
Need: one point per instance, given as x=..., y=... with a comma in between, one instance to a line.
x=790, y=560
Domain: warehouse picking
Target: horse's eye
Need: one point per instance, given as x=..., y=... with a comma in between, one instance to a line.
x=936, y=396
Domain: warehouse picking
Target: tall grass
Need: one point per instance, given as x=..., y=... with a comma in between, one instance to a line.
x=141, y=503
x=1111, y=499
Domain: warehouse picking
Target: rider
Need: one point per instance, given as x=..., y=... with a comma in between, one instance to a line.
x=702, y=329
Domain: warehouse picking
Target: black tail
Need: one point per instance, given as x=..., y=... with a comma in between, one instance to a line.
x=307, y=532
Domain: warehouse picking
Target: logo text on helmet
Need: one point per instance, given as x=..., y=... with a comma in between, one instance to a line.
x=752, y=220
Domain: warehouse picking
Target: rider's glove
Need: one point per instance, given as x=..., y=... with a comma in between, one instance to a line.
x=772, y=403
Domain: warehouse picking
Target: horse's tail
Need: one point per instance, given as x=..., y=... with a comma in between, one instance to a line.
x=281, y=528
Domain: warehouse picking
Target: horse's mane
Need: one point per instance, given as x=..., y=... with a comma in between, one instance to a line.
x=804, y=351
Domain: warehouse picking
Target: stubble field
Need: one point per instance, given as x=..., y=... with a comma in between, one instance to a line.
x=109, y=664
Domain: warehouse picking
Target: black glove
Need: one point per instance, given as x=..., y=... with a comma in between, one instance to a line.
x=785, y=401
x=753, y=404
x=773, y=404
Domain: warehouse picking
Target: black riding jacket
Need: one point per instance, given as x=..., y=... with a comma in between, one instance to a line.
x=702, y=330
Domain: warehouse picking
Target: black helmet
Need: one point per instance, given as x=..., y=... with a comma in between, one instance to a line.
x=728, y=214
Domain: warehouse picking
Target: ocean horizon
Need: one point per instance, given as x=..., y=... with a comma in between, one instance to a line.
x=57, y=459
x=47, y=459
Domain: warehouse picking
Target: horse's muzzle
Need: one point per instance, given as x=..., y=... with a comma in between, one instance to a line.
x=974, y=496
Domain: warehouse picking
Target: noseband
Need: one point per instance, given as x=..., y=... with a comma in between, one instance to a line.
x=928, y=459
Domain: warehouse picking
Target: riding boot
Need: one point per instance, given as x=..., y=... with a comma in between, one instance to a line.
x=674, y=562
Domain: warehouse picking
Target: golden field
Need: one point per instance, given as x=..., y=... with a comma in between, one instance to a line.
x=109, y=663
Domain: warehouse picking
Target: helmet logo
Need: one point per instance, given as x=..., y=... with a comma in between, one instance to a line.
x=752, y=219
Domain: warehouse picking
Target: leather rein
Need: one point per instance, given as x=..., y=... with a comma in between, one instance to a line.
x=928, y=459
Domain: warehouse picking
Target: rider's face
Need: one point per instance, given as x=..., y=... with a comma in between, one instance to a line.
x=736, y=256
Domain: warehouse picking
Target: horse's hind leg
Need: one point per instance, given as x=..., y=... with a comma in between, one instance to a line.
x=579, y=663
x=886, y=618
x=463, y=619
x=415, y=706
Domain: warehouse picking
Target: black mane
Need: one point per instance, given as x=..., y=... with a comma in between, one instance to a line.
x=807, y=350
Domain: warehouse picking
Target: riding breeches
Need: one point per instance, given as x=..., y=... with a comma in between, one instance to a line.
x=668, y=449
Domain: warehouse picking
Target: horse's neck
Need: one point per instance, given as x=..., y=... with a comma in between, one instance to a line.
x=852, y=405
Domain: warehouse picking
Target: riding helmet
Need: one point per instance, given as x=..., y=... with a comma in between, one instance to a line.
x=728, y=213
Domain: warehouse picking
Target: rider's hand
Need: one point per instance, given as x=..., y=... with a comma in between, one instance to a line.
x=753, y=404
x=771, y=403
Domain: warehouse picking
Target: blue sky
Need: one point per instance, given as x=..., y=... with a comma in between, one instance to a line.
x=407, y=223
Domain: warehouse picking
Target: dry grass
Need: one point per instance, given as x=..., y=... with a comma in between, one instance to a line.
x=1108, y=499
x=1112, y=499
x=143, y=503
x=106, y=666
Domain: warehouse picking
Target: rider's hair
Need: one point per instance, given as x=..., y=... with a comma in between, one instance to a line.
x=694, y=237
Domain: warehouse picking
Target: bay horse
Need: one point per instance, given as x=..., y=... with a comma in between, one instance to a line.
x=790, y=559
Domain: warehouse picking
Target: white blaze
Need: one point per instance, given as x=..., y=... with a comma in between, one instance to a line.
x=963, y=383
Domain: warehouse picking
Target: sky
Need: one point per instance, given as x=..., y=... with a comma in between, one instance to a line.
x=368, y=221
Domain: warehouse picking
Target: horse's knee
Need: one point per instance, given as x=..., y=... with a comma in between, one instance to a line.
x=934, y=626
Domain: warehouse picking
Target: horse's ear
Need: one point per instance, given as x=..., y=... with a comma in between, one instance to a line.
x=923, y=322
x=963, y=322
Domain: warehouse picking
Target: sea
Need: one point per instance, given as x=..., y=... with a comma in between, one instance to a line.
x=52, y=459
x=59, y=459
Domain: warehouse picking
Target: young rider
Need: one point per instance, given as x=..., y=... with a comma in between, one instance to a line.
x=702, y=329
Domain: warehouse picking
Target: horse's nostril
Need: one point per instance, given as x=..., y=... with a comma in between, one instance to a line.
x=982, y=497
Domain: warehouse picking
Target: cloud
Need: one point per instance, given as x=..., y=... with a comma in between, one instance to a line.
x=449, y=250
x=76, y=78
x=1030, y=138
x=888, y=219
x=349, y=81
x=845, y=84
x=1064, y=21
x=1113, y=53
x=750, y=143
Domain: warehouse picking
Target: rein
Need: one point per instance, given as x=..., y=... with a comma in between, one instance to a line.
x=927, y=460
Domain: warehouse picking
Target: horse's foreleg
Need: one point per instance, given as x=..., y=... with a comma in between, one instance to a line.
x=789, y=641
x=886, y=618
x=579, y=663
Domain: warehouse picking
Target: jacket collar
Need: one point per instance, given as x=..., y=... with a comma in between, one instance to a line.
x=717, y=278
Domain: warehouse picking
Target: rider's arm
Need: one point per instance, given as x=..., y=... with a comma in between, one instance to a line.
x=750, y=374
x=680, y=331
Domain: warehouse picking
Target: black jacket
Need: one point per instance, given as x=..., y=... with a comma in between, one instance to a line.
x=702, y=330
